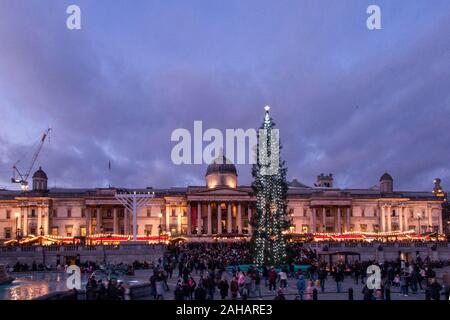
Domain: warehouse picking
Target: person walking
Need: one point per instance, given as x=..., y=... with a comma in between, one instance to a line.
x=322, y=278
x=257, y=284
x=223, y=288
x=159, y=285
x=234, y=288
x=309, y=291
x=272, y=277
x=404, y=283
x=283, y=278
x=435, y=289
x=339, y=278
x=301, y=286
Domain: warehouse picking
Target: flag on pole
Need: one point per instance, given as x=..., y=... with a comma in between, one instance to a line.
x=109, y=164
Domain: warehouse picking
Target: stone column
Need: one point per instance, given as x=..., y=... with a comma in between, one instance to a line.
x=126, y=225
x=115, y=226
x=39, y=221
x=339, y=225
x=19, y=220
x=209, y=231
x=47, y=220
x=239, y=218
x=249, y=219
x=406, y=217
x=179, y=215
x=315, y=212
x=219, y=218
x=311, y=219
x=229, y=221
x=347, y=212
x=382, y=219
x=189, y=232
x=430, y=220
x=199, y=218
x=324, y=219
x=400, y=218
x=25, y=222
x=389, y=216
x=168, y=217
x=99, y=221
x=88, y=221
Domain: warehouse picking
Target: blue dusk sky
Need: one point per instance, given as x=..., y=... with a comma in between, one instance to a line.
x=347, y=100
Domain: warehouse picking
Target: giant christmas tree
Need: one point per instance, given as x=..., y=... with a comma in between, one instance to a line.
x=270, y=188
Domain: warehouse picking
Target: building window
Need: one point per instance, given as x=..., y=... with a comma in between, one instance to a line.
x=363, y=214
x=149, y=213
x=363, y=227
x=55, y=213
x=376, y=227
x=83, y=213
x=33, y=213
x=55, y=231
x=393, y=213
x=7, y=233
x=148, y=229
x=173, y=213
x=109, y=214
x=8, y=214
x=69, y=213
x=69, y=230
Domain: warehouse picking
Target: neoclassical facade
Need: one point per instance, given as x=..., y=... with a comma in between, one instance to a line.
x=220, y=208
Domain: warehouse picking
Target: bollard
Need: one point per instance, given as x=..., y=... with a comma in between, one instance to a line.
x=314, y=294
x=350, y=293
x=427, y=294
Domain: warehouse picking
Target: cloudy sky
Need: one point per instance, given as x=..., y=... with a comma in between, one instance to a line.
x=347, y=100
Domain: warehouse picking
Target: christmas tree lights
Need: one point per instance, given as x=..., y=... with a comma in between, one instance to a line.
x=270, y=189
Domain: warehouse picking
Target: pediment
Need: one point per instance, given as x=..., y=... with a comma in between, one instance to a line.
x=220, y=192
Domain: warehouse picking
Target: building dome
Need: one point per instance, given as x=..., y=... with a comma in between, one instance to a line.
x=221, y=172
x=221, y=165
x=40, y=174
x=40, y=180
x=386, y=177
x=386, y=183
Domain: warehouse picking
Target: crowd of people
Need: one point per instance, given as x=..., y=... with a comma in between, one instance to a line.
x=98, y=290
x=216, y=266
x=207, y=271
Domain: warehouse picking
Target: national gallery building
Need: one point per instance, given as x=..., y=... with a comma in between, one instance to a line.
x=219, y=209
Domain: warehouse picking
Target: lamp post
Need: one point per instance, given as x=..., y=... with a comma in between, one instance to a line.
x=419, y=215
x=41, y=233
x=160, y=227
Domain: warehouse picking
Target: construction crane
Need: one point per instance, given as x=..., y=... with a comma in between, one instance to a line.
x=18, y=177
